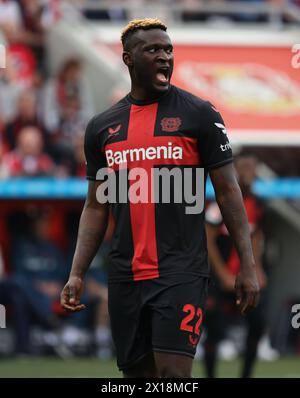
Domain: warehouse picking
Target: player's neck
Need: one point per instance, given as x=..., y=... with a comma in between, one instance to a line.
x=140, y=94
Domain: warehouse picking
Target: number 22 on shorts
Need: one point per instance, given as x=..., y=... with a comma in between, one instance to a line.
x=188, y=321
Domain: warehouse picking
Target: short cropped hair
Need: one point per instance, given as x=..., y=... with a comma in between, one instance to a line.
x=140, y=24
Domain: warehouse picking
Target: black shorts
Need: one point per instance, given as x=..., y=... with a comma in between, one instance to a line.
x=156, y=315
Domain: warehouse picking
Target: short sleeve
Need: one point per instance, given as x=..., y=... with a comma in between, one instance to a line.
x=214, y=145
x=95, y=159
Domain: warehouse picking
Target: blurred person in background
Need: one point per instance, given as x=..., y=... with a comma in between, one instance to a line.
x=31, y=287
x=10, y=89
x=21, y=22
x=113, y=12
x=28, y=158
x=62, y=143
x=67, y=86
x=225, y=266
x=38, y=271
x=17, y=310
x=10, y=19
x=12, y=296
x=71, y=120
x=26, y=116
x=250, y=17
x=66, y=108
x=192, y=11
x=96, y=290
x=102, y=335
x=33, y=29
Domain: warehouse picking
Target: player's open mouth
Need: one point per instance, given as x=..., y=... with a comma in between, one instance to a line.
x=162, y=76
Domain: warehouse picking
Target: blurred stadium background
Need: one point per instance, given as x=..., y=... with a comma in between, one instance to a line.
x=63, y=65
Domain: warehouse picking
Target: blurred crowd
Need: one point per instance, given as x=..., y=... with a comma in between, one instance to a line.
x=184, y=10
x=42, y=122
x=40, y=242
x=42, y=118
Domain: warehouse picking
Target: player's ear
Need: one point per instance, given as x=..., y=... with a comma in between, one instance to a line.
x=127, y=58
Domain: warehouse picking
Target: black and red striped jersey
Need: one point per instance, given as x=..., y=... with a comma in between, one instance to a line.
x=178, y=130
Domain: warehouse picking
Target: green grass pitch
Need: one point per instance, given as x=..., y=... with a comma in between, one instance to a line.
x=91, y=367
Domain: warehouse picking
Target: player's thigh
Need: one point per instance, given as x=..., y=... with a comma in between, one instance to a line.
x=173, y=365
x=145, y=368
x=177, y=317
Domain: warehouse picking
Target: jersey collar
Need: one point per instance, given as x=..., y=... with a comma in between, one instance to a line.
x=148, y=102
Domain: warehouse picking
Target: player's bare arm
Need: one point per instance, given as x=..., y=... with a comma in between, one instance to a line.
x=230, y=201
x=92, y=227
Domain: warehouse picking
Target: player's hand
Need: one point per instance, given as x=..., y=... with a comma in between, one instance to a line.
x=70, y=295
x=247, y=290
